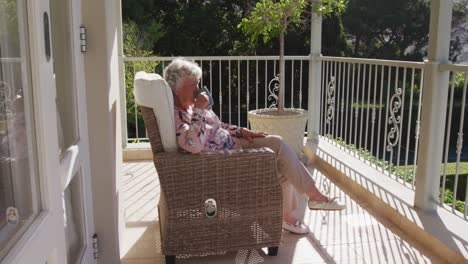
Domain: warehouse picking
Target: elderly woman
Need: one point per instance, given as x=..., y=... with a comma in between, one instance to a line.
x=198, y=129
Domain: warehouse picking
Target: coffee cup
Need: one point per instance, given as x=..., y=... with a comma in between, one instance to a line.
x=207, y=92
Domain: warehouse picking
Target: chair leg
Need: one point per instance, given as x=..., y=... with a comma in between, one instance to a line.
x=159, y=221
x=170, y=259
x=272, y=251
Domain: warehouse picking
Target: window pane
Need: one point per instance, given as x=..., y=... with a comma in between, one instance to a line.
x=64, y=72
x=74, y=219
x=19, y=194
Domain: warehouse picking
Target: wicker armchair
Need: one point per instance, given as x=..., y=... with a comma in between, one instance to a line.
x=217, y=201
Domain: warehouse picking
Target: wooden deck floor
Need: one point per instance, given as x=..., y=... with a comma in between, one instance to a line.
x=349, y=236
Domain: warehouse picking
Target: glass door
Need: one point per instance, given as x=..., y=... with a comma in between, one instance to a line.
x=20, y=201
x=45, y=188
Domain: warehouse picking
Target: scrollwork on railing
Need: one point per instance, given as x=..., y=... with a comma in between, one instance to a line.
x=273, y=87
x=331, y=99
x=394, y=134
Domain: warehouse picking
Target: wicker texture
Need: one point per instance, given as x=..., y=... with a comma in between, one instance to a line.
x=244, y=185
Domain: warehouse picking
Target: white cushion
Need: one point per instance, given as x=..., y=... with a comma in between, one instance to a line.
x=151, y=90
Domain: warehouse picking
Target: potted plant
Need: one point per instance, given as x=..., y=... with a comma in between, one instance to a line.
x=268, y=19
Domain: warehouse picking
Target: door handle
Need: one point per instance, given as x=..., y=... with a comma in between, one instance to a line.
x=46, y=36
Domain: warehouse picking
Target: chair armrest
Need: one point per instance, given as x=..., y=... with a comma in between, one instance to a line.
x=234, y=178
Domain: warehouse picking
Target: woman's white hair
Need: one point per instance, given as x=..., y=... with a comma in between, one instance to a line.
x=179, y=69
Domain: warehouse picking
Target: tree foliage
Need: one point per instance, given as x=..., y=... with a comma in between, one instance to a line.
x=193, y=28
x=209, y=28
x=398, y=29
x=135, y=44
x=395, y=29
x=334, y=42
x=270, y=18
x=459, y=36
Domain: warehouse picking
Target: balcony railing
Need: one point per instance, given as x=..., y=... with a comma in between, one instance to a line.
x=371, y=108
x=454, y=182
x=238, y=85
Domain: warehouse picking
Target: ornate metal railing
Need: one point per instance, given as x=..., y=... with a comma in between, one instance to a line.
x=372, y=108
x=454, y=181
x=237, y=83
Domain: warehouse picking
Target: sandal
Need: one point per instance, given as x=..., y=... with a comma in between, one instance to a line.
x=297, y=228
x=330, y=205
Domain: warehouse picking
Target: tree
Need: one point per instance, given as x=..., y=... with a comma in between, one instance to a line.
x=398, y=29
x=209, y=28
x=191, y=28
x=272, y=18
x=459, y=38
x=334, y=42
x=135, y=44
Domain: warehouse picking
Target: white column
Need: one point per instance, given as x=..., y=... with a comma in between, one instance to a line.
x=103, y=107
x=434, y=107
x=315, y=70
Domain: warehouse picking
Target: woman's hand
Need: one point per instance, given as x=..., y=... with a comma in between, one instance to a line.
x=250, y=135
x=202, y=101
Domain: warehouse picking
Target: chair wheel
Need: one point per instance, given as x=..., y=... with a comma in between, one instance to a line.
x=170, y=259
x=272, y=251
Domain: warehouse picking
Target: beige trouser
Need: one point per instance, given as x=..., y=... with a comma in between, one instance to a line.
x=290, y=170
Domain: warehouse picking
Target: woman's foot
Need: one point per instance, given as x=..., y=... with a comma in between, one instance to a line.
x=332, y=204
x=315, y=195
x=297, y=228
x=294, y=225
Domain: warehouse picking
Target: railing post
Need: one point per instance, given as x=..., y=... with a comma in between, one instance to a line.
x=122, y=86
x=315, y=70
x=434, y=107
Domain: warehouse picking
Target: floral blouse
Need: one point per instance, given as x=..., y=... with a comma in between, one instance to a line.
x=200, y=130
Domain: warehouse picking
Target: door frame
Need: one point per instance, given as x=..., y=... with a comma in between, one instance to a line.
x=83, y=163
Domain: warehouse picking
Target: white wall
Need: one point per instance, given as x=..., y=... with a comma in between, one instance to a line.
x=102, y=90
